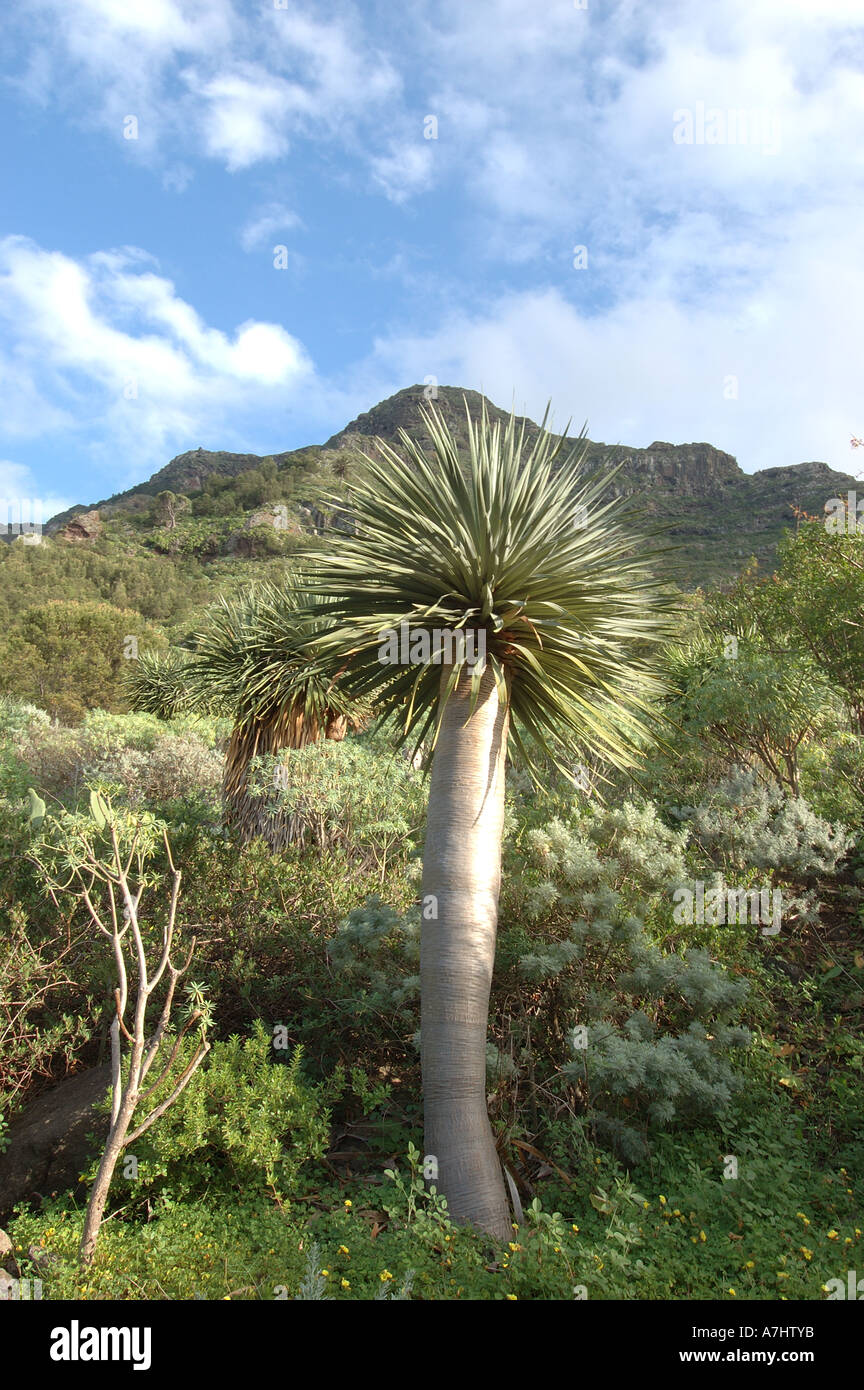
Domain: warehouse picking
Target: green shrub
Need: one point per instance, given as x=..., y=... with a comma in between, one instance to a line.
x=653, y=1027
x=45, y=1016
x=371, y=952
x=362, y=800
x=757, y=706
x=616, y=846
x=71, y=655
x=145, y=758
x=244, y=1122
x=832, y=777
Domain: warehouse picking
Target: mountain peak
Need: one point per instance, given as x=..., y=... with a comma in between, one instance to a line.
x=403, y=411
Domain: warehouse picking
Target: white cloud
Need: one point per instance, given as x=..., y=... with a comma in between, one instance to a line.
x=266, y=354
x=158, y=24
x=705, y=261
x=555, y=129
x=407, y=169
x=108, y=59
x=107, y=343
x=341, y=67
x=597, y=146
x=271, y=221
x=244, y=115
x=21, y=500
x=215, y=80
x=652, y=368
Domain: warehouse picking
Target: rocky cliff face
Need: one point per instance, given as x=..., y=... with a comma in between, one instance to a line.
x=405, y=411
x=714, y=515
x=690, y=470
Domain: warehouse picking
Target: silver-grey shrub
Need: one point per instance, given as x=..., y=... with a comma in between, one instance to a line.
x=744, y=823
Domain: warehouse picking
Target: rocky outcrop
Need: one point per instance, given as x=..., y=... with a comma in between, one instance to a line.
x=84, y=526
x=48, y=1142
x=682, y=470
x=277, y=515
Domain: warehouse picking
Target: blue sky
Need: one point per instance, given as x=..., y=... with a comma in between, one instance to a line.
x=708, y=158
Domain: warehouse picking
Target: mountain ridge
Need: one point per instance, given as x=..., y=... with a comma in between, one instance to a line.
x=714, y=511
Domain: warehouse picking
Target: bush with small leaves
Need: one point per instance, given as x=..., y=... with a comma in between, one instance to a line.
x=144, y=759
x=376, y=956
x=743, y=822
x=655, y=1031
x=349, y=796
x=654, y=1028
x=246, y=1122
x=626, y=845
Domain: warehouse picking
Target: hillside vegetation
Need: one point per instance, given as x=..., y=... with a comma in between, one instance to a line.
x=674, y=1064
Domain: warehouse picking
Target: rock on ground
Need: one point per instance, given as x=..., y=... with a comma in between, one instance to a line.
x=48, y=1145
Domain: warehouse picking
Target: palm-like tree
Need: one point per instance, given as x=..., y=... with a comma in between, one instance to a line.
x=158, y=683
x=257, y=660
x=508, y=540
